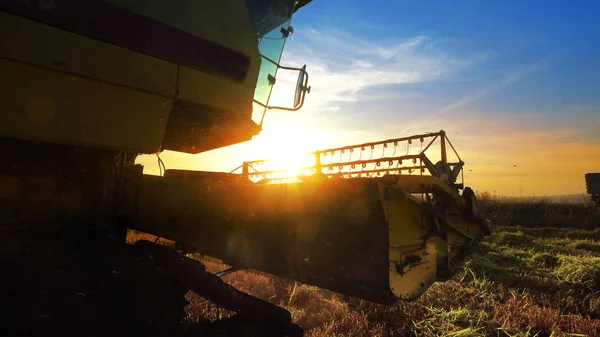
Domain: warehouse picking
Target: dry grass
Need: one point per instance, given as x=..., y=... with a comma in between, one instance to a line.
x=526, y=280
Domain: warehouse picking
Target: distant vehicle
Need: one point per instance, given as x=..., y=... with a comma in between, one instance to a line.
x=592, y=183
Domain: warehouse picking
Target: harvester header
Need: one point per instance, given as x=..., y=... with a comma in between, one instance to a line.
x=379, y=221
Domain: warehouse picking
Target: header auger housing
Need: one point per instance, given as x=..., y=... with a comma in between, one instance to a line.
x=361, y=220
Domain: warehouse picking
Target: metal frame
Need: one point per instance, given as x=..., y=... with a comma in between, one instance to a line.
x=324, y=163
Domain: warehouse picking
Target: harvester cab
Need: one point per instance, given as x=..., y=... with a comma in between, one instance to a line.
x=149, y=75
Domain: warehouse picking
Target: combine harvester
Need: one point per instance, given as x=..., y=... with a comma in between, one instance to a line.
x=87, y=86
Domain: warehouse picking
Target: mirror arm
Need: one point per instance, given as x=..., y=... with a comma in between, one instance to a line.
x=279, y=66
x=259, y=103
x=268, y=59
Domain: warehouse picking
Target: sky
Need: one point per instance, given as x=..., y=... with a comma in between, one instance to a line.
x=515, y=85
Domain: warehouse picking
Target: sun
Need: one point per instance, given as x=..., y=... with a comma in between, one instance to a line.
x=285, y=141
x=285, y=146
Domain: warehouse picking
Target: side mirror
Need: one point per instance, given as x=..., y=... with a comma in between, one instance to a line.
x=302, y=87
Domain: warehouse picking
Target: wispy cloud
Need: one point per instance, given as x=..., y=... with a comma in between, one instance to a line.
x=509, y=79
x=342, y=66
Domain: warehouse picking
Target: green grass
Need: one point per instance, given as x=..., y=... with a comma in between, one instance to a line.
x=527, y=279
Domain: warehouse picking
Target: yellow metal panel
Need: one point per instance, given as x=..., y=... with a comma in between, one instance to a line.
x=44, y=45
x=43, y=104
x=404, y=216
x=207, y=89
x=225, y=22
x=418, y=278
x=409, y=238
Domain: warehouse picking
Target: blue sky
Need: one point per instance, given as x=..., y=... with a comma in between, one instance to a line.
x=512, y=83
x=526, y=55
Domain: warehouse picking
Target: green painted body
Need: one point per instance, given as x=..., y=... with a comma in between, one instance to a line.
x=71, y=89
